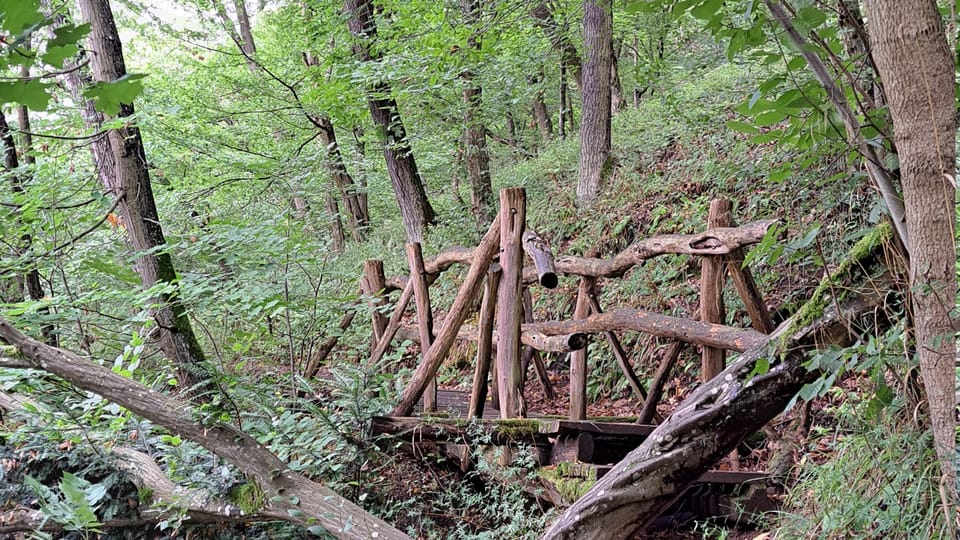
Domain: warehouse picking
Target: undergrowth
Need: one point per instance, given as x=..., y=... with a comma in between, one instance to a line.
x=881, y=481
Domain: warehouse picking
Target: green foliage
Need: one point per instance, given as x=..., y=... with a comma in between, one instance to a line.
x=109, y=96
x=74, y=506
x=881, y=482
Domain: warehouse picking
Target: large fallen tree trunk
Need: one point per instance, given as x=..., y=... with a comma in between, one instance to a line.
x=722, y=412
x=286, y=494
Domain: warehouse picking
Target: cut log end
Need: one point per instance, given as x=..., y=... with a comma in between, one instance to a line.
x=549, y=280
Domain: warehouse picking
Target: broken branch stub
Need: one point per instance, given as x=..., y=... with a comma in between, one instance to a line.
x=539, y=251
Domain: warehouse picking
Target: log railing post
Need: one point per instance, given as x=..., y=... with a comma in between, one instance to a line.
x=711, y=291
x=748, y=290
x=509, y=313
x=532, y=354
x=373, y=284
x=488, y=306
x=578, y=359
x=418, y=276
x=433, y=357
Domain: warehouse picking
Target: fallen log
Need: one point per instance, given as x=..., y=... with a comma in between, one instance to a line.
x=290, y=495
x=723, y=411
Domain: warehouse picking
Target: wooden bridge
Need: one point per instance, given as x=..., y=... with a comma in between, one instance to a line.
x=508, y=339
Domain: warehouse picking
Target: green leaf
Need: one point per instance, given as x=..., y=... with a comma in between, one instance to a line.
x=32, y=93
x=18, y=15
x=707, y=10
x=813, y=17
x=56, y=55
x=770, y=118
x=742, y=127
x=110, y=95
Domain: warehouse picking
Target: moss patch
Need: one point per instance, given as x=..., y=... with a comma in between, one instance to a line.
x=814, y=307
x=571, y=480
x=517, y=427
x=248, y=497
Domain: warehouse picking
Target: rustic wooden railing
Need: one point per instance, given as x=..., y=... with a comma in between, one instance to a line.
x=506, y=320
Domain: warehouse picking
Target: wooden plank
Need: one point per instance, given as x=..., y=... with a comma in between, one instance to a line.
x=578, y=358
x=604, y=428
x=532, y=353
x=488, y=306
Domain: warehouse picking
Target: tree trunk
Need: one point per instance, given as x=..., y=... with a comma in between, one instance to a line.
x=336, y=225
x=714, y=419
x=595, y=121
x=131, y=183
x=475, y=131
x=355, y=200
x=541, y=114
x=557, y=34
x=30, y=278
x=616, y=88
x=917, y=68
x=415, y=208
x=286, y=494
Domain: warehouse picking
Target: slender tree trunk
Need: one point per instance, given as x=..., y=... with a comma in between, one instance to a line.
x=541, y=114
x=563, y=99
x=336, y=226
x=475, y=131
x=415, y=208
x=616, y=88
x=354, y=199
x=559, y=39
x=917, y=67
x=131, y=183
x=595, y=121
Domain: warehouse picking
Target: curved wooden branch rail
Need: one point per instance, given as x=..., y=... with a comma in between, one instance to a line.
x=711, y=242
x=711, y=335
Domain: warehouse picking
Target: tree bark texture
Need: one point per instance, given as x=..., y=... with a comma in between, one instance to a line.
x=708, y=425
x=513, y=212
x=475, y=131
x=337, y=238
x=541, y=113
x=917, y=69
x=595, y=117
x=131, y=182
x=373, y=285
x=355, y=200
x=415, y=208
x=323, y=506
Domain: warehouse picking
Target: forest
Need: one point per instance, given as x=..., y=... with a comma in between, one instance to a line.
x=578, y=269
